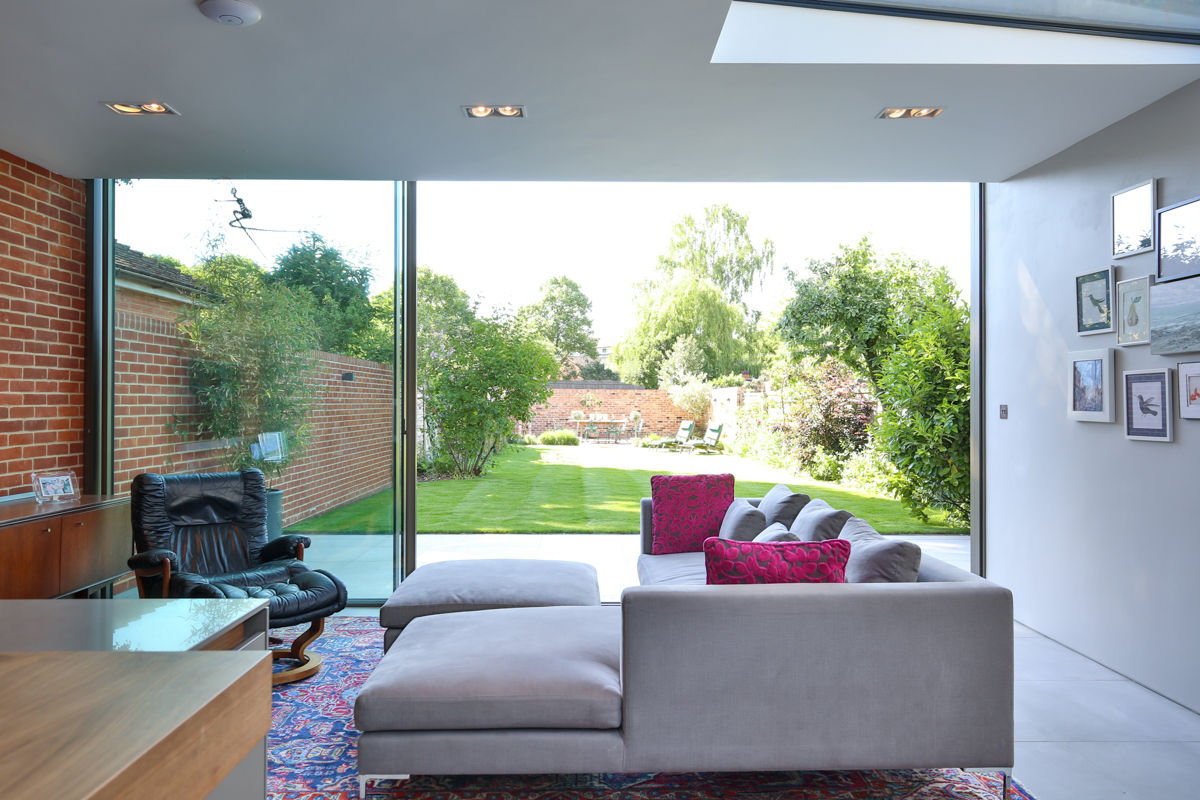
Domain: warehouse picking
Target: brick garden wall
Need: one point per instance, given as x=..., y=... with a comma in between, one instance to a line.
x=42, y=281
x=659, y=414
x=349, y=454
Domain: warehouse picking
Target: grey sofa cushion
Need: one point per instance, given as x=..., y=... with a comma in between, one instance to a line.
x=501, y=668
x=742, y=522
x=781, y=504
x=473, y=585
x=819, y=521
x=671, y=569
x=776, y=532
x=875, y=558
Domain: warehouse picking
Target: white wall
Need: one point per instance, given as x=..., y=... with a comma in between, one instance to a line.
x=1097, y=536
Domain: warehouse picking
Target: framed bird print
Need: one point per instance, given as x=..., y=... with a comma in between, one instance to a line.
x=1092, y=386
x=1093, y=302
x=1133, y=311
x=1149, y=415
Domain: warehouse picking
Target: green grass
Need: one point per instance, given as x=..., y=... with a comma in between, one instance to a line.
x=532, y=490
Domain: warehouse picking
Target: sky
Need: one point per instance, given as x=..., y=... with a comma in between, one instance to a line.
x=501, y=241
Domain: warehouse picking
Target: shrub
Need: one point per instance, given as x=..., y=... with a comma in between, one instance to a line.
x=561, y=436
x=825, y=466
x=869, y=469
x=529, y=438
x=693, y=396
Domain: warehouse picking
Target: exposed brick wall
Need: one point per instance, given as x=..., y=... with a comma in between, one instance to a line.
x=42, y=279
x=659, y=414
x=349, y=454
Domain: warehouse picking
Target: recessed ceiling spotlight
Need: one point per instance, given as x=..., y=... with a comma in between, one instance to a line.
x=235, y=13
x=910, y=112
x=151, y=109
x=482, y=112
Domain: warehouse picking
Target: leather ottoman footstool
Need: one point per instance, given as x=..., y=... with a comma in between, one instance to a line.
x=478, y=584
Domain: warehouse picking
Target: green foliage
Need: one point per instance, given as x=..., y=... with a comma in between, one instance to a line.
x=529, y=439
x=869, y=469
x=229, y=275
x=825, y=466
x=847, y=310
x=478, y=376
x=685, y=360
x=719, y=249
x=595, y=371
x=339, y=290
x=561, y=436
x=378, y=341
x=925, y=389
x=726, y=381
x=252, y=364
x=699, y=290
x=562, y=317
x=693, y=396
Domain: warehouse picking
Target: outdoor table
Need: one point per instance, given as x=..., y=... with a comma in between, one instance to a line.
x=614, y=426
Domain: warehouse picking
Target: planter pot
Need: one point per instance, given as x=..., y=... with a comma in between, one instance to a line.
x=274, y=513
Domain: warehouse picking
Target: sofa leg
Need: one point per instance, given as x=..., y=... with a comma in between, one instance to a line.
x=308, y=664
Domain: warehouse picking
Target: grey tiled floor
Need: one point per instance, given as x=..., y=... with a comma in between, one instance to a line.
x=1083, y=732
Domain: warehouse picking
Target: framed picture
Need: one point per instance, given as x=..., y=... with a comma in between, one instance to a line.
x=271, y=446
x=1189, y=390
x=1093, y=301
x=1092, y=386
x=1175, y=317
x=55, y=485
x=1133, y=311
x=1148, y=412
x=1179, y=240
x=1133, y=220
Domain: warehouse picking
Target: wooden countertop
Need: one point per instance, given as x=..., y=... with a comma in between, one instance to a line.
x=15, y=512
x=128, y=726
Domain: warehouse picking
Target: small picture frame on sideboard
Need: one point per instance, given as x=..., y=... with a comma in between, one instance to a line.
x=52, y=486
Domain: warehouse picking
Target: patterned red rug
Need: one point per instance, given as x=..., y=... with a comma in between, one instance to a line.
x=312, y=754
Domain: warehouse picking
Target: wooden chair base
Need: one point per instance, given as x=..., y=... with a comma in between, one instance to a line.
x=309, y=663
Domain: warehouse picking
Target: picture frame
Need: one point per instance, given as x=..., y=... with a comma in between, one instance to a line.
x=1090, y=396
x=56, y=485
x=1177, y=228
x=1189, y=390
x=1133, y=219
x=271, y=446
x=1149, y=415
x=1093, y=302
x=1133, y=311
x=1175, y=317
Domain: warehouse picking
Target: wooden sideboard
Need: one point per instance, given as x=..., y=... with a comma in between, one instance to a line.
x=57, y=549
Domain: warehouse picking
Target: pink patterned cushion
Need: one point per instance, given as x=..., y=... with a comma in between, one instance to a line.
x=686, y=510
x=728, y=561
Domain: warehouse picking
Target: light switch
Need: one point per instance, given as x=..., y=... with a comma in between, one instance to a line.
x=1003, y=411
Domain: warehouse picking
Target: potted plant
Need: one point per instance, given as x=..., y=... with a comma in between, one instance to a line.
x=253, y=359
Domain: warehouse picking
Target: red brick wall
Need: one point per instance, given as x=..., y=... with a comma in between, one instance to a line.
x=42, y=277
x=659, y=414
x=349, y=454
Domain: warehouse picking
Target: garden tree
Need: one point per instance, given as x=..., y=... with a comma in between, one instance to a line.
x=846, y=309
x=339, y=289
x=444, y=314
x=171, y=261
x=693, y=396
x=478, y=386
x=596, y=371
x=925, y=390
x=563, y=317
x=229, y=275
x=683, y=305
x=719, y=249
x=253, y=359
x=684, y=362
x=377, y=342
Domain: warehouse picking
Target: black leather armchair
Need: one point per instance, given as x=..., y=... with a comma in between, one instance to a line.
x=206, y=536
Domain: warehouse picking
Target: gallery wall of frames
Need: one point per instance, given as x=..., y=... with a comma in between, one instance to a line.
x=1132, y=308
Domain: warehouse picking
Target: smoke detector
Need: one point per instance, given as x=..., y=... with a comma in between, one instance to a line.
x=235, y=13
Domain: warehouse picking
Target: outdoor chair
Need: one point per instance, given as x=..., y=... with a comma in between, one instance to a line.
x=682, y=435
x=205, y=536
x=709, y=444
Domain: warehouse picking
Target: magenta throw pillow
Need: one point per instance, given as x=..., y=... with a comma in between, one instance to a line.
x=729, y=561
x=686, y=510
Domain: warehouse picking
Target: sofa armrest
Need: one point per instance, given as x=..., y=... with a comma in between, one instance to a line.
x=290, y=546
x=817, y=676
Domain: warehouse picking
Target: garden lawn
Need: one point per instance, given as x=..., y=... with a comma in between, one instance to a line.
x=581, y=490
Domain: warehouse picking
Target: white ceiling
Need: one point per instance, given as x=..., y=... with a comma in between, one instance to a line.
x=616, y=90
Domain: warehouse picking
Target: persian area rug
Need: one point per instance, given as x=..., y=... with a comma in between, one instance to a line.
x=312, y=754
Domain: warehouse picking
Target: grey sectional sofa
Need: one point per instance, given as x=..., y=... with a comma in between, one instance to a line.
x=684, y=676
